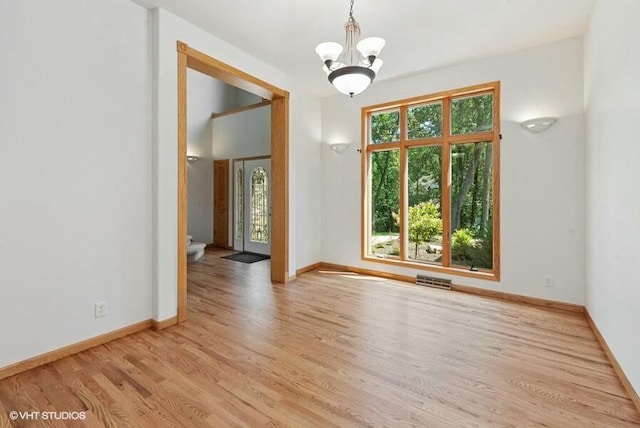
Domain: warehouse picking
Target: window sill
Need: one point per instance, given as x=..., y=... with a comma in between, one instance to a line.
x=486, y=275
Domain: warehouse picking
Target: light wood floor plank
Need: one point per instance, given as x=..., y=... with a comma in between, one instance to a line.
x=332, y=350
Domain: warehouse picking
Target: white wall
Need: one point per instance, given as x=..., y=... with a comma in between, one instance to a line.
x=167, y=29
x=306, y=180
x=612, y=67
x=542, y=175
x=75, y=172
x=244, y=98
x=243, y=134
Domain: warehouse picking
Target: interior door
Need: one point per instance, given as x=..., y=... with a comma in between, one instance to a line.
x=257, y=206
x=221, y=203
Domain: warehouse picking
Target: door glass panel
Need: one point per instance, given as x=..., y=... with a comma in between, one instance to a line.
x=259, y=220
x=239, y=203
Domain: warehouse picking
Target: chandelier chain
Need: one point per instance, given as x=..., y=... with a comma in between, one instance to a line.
x=351, y=9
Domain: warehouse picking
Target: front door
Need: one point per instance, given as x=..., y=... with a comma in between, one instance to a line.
x=252, y=194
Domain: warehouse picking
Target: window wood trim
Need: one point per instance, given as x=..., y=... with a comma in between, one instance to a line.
x=445, y=141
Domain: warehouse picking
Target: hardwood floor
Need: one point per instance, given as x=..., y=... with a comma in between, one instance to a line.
x=334, y=350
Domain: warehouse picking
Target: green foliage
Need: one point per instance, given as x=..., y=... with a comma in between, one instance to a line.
x=472, y=114
x=385, y=127
x=385, y=190
x=424, y=222
x=424, y=121
x=482, y=253
x=385, y=171
x=425, y=174
x=471, y=185
x=462, y=244
x=395, y=251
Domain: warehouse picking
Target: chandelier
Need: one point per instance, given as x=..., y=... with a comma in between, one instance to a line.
x=357, y=68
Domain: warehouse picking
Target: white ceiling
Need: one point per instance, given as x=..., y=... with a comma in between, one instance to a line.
x=420, y=34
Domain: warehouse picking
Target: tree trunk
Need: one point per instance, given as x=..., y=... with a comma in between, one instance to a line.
x=474, y=199
x=486, y=186
x=456, y=206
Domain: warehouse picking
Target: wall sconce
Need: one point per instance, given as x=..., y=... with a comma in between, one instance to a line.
x=192, y=159
x=339, y=147
x=539, y=124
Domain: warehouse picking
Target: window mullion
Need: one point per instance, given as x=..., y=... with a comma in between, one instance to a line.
x=403, y=184
x=382, y=147
x=446, y=182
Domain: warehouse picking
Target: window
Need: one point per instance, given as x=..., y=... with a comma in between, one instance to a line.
x=430, y=182
x=259, y=206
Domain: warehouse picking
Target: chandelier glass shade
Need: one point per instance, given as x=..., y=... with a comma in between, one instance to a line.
x=353, y=68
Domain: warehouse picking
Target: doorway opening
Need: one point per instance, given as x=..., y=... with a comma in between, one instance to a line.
x=278, y=186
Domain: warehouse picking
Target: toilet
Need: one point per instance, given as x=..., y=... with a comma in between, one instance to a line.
x=195, y=250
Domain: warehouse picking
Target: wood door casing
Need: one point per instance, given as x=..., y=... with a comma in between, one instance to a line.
x=221, y=203
x=190, y=58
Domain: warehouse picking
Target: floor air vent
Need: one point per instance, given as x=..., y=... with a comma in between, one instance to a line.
x=430, y=281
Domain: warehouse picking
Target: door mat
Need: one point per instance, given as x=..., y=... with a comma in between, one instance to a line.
x=246, y=257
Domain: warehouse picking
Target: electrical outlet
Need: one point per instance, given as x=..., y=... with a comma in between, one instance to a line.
x=548, y=281
x=101, y=309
